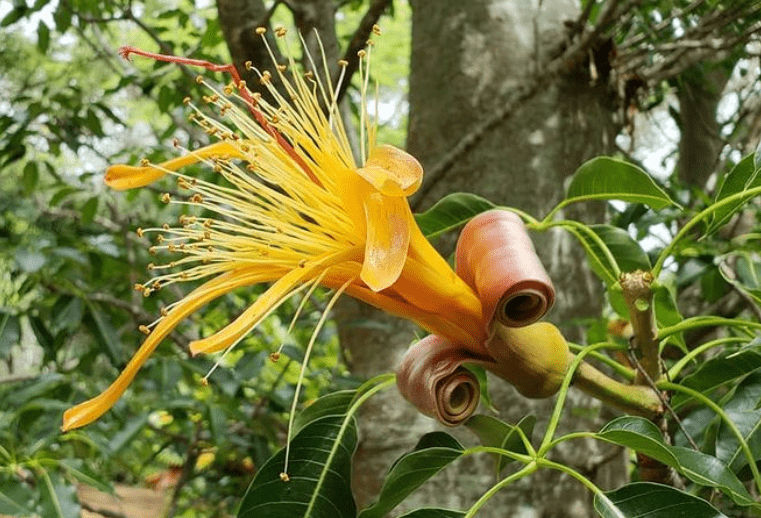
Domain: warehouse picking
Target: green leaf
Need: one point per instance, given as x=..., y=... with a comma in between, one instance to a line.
x=498, y=434
x=434, y=513
x=87, y=213
x=319, y=469
x=10, y=333
x=77, y=469
x=335, y=404
x=741, y=409
x=15, y=498
x=43, y=37
x=640, y=435
x=745, y=175
x=642, y=499
x=105, y=333
x=707, y=470
x=450, y=212
x=124, y=436
x=605, y=178
x=433, y=453
x=600, y=258
x=628, y=253
x=718, y=371
x=58, y=499
x=31, y=176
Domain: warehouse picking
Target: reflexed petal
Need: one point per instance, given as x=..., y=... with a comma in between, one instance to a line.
x=89, y=411
x=388, y=238
x=287, y=283
x=392, y=171
x=246, y=321
x=122, y=177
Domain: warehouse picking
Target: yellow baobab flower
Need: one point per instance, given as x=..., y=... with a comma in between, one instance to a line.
x=293, y=209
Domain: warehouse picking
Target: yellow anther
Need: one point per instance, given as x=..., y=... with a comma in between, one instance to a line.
x=151, y=266
x=376, y=30
x=160, y=238
x=166, y=197
x=152, y=250
x=144, y=162
x=284, y=477
x=261, y=30
x=147, y=292
x=165, y=226
x=156, y=285
x=139, y=232
x=248, y=65
x=144, y=329
x=172, y=248
x=164, y=312
x=274, y=357
x=280, y=32
x=266, y=76
x=302, y=263
x=241, y=84
x=139, y=287
x=282, y=68
x=343, y=63
x=197, y=198
x=362, y=54
x=199, y=80
x=186, y=100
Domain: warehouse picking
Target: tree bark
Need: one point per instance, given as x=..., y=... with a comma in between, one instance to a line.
x=466, y=56
x=700, y=144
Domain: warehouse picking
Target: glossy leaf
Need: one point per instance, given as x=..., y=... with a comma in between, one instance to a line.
x=335, y=404
x=741, y=409
x=104, y=331
x=451, y=212
x=434, y=451
x=59, y=499
x=654, y=501
x=707, y=470
x=628, y=253
x=320, y=475
x=498, y=434
x=640, y=435
x=720, y=370
x=744, y=175
x=600, y=259
x=605, y=178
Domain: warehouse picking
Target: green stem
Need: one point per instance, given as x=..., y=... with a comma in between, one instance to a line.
x=545, y=463
x=525, y=459
x=525, y=216
x=563, y=393
x=674, y=371
x=528, y=469
x=704, y=321
x=570, y=437
x=697, y=219
x=621, y=370
x=667, y=385
x=576, y=229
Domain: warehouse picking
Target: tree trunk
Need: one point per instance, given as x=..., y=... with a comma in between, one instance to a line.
x=466, y=57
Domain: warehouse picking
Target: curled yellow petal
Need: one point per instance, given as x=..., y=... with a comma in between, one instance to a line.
x=392, y=171
x=388, y=238
x=88, y=411
x=246, y=321
x=287, y=283
x=122, y=177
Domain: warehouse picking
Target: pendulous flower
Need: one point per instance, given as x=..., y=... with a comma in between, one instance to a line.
x=295, y=210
